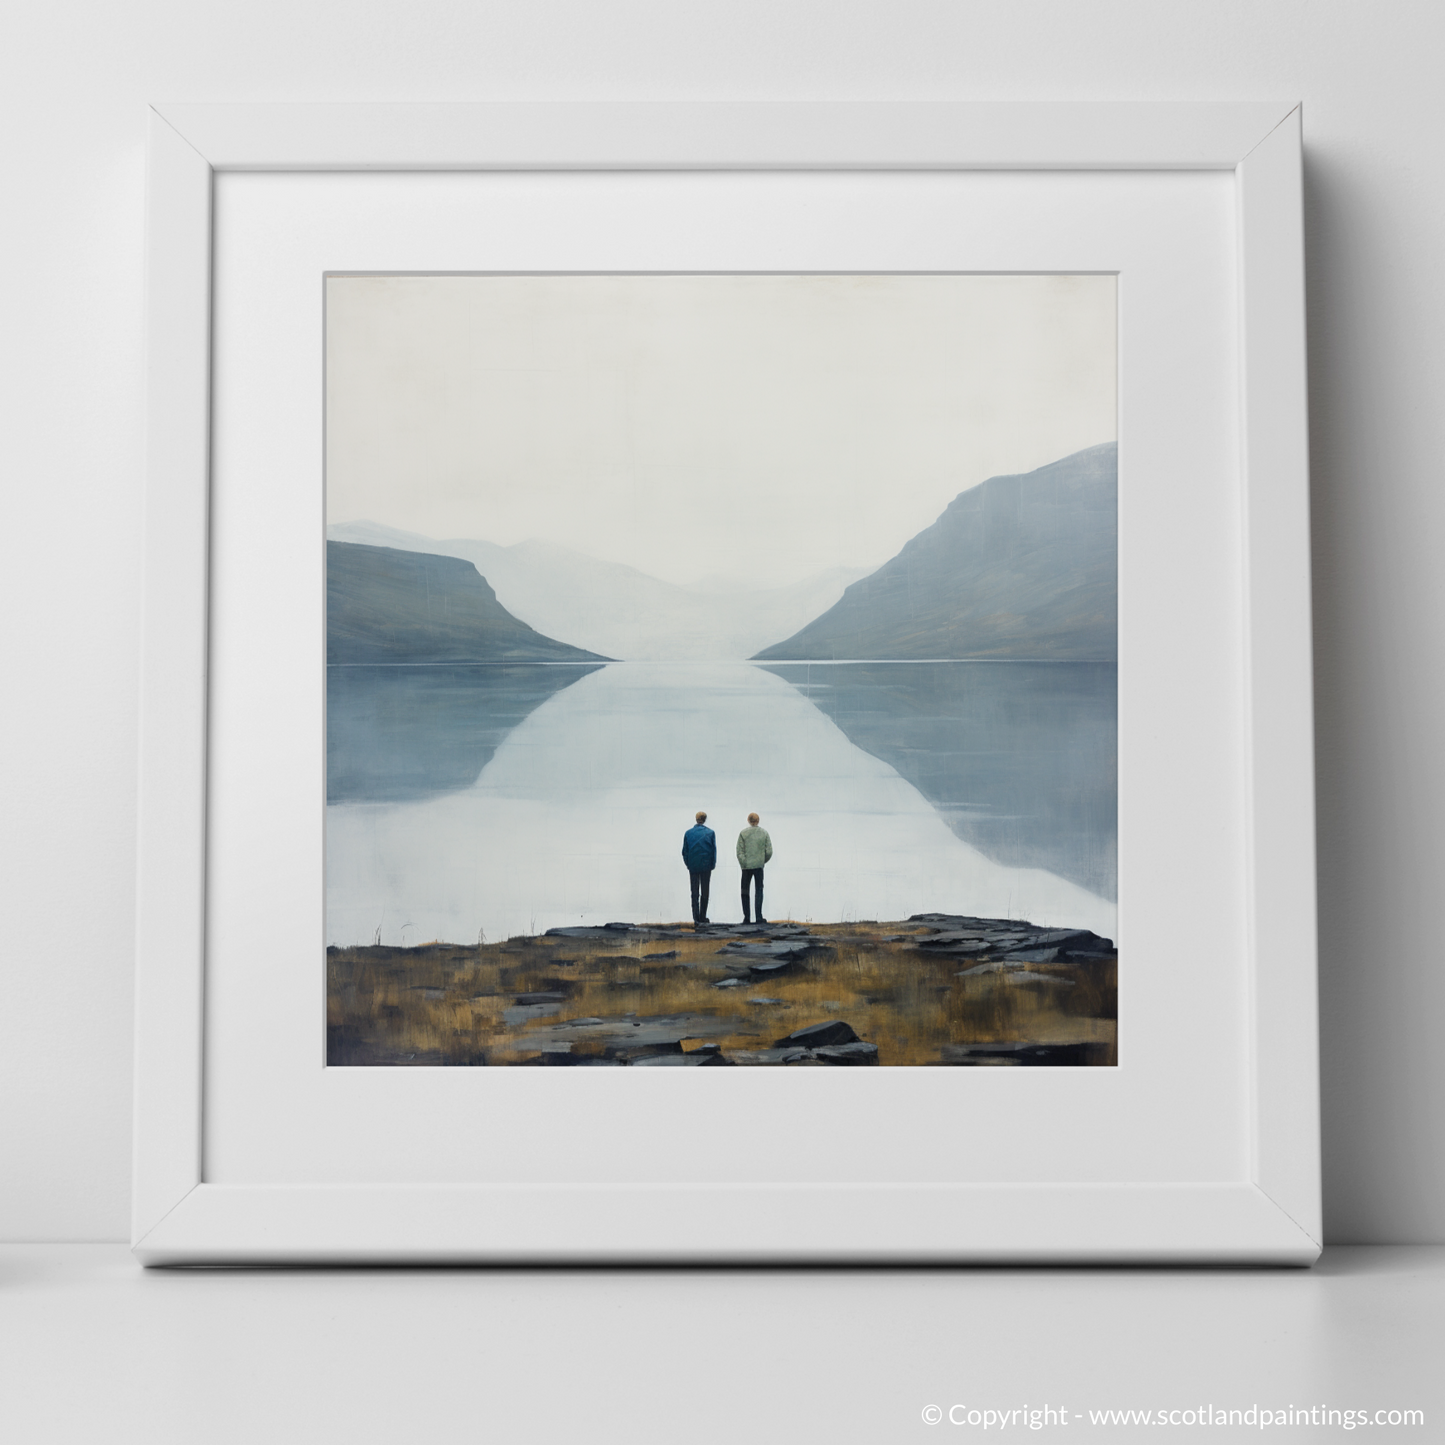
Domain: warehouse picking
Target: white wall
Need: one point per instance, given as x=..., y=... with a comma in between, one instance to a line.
x=75, y=77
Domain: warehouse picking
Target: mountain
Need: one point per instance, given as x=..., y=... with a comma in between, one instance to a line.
x=620, y=611
x=1019, y=566
x=389, y=606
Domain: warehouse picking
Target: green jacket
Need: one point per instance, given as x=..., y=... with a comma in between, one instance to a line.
x=754, y=847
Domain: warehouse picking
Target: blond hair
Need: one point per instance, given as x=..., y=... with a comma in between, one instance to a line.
x=702, y=817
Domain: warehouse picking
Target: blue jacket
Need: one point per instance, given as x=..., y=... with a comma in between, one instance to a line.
x=699, y=849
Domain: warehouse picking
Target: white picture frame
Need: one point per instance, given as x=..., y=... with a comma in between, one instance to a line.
x=1270, y=1213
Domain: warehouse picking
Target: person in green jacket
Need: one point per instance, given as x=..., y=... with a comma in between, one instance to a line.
x=754, y=850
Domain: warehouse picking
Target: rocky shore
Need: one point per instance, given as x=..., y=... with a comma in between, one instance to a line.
x=939, y=989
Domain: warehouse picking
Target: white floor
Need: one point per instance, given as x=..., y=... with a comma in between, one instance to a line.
x=93, y=1348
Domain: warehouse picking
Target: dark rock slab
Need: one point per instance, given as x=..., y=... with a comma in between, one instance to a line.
x=831, y=1031
x=1025, y=943
x=768, y=969
x=1066, y=940
x=1057, y=937
x=855, y=1053
x=968, y=921
x=624, y=1037
x=1023, y=975
x=777, y=1056
x=636, y=1053
x=709, y=1056
x=758, y=930
x=776, y=948
x=828, y=1055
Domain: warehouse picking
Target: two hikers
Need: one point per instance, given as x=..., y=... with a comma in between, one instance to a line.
x=699, y=853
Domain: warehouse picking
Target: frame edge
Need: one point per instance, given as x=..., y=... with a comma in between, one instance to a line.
x=726, y=135
x=727, y=1224
x=171, y=846
x=1279, y=673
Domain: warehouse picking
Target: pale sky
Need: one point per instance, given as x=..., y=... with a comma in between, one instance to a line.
x=764, y=427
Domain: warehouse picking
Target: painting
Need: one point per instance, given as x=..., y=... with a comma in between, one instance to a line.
x=721, y=670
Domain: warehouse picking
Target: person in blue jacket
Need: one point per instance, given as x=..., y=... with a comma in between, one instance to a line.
x=699, y=852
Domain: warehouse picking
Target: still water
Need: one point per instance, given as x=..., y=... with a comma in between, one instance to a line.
x=487, y=801
x=1019, y=758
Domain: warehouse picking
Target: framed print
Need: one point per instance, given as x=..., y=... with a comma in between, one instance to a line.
x=740, y=568
x=726, y=682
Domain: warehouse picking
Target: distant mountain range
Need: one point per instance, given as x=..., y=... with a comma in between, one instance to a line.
x=390, y=606
x=1019, y=567
x=619, y=611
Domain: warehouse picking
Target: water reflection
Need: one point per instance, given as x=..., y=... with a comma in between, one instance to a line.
x=1019, y=758
x=578, y=815
x=397, y=734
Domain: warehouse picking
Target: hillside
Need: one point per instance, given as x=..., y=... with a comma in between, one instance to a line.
x=619, y=611
x=1019, y=566
x=389, y=606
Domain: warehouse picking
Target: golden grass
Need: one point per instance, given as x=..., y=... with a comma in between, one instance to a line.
x=440, y=1004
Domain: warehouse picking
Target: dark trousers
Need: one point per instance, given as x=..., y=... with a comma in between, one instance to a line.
x=701, y=883
x=755, y=876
